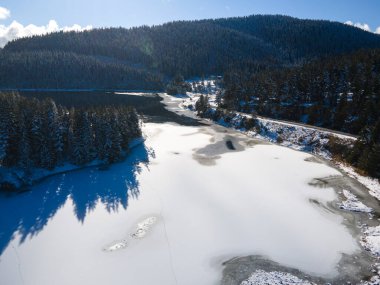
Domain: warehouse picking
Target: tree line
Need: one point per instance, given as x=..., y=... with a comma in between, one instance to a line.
x=42, y=134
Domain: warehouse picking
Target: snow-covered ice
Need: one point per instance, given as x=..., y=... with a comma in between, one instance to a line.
x=252, y=200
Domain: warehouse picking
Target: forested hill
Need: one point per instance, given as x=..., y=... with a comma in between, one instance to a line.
x=341, y=93
x=46, y=69
x=192, y=48
x=303, y=39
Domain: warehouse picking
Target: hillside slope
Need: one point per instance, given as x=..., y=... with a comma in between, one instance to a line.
x=191, y=48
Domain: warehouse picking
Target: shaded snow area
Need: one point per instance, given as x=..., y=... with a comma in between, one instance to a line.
x=18, y=178
x=261, y=277
x=178, y=218
x=353, y=204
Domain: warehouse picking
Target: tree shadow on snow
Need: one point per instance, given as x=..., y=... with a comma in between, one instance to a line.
x=26, y=214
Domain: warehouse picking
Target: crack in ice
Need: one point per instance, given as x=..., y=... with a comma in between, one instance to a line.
x=18, y=264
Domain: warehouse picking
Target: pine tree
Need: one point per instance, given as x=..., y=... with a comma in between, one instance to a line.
x=37, y=137
x=25, y=161
x=4, y=132
x=116, y=138
x=55, y=129
x=83, y=139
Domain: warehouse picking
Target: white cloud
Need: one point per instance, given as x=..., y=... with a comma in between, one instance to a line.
x=4, y=13
x=377, y=30
x=76, y=28
x=362, y=26
x=16, y=30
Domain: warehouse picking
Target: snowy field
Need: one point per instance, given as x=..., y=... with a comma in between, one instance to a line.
x=177, y=218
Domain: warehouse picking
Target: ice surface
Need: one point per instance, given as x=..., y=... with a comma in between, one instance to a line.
x=253, y=201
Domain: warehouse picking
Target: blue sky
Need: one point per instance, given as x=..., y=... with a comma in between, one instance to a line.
x=127, y=13
x=131, y=13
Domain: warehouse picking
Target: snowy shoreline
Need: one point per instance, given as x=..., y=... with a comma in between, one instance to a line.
x=14, y=179
x=293, y=135
x=306, y=139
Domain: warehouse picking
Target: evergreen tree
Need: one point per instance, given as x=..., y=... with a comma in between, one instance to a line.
x=47, y=135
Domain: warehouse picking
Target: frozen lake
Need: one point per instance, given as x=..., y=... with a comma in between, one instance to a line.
x=193, y=205
x=190, y=199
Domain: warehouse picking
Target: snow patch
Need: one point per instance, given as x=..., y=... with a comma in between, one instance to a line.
x=261, y=277
x=375, y=280
x=117, y=245
x=134, y=93
x=371, y=240
x=353, y=204
x=372, y=184
x=141, y=231
x=143, y=227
